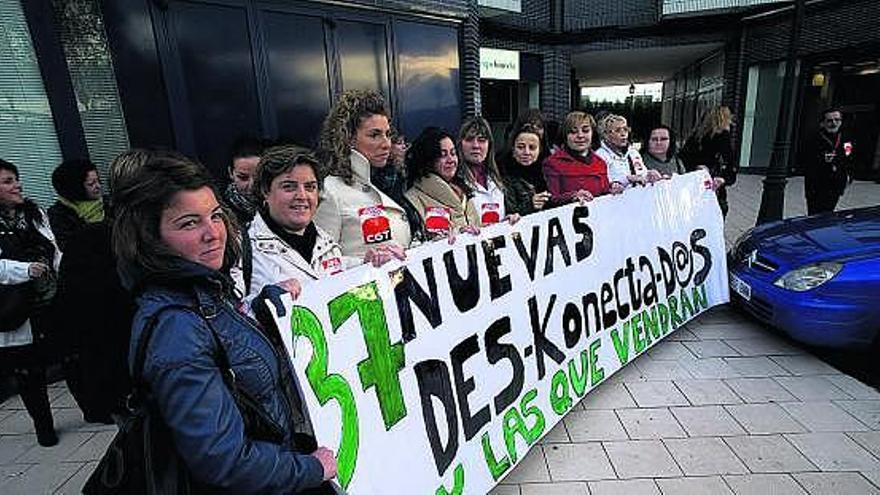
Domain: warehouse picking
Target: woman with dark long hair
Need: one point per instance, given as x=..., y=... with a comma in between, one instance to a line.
x=29, y=260
x=175, y=244
x=439, y=191
x=526, y=186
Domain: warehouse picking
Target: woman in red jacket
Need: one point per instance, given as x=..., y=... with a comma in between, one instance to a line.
x=574, y=172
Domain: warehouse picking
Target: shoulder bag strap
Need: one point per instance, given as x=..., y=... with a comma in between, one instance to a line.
x=247, y=259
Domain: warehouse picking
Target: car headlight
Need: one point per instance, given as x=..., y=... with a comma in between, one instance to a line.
x=808, y=277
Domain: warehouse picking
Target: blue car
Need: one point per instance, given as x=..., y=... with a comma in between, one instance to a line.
x=816, y=278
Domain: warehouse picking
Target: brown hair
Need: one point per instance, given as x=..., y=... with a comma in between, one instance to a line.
x=140, y=197
x=714, y=121
x=280, y=160
x=478, y=126
x=340, y=129
x=574, y=120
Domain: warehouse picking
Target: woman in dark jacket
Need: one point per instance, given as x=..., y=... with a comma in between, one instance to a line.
x=709, y=147
x=662, y=152
x=79, y=199
x=29, y=259
x=526, y=187
x=174, y=244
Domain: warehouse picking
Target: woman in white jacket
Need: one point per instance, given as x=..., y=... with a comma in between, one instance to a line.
x=625, y=164
x=285, y=242
x=29, y=259
x=368, y=224
x=477, y=152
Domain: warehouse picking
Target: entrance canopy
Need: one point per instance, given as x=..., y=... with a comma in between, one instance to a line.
x=637, y=65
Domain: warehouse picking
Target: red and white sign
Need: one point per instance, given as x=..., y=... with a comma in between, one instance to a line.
x=490, y=213
x=332, y=265
x=437, y=219
x=374, y=224
x=636, y=163
x=847, y=148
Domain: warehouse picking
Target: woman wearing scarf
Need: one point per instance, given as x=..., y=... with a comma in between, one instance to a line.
x=526, y=188
x=439, y=192
x=625, y=164
x=28, y=260
x=477, y=152
x=79, y=199
x=366, y=221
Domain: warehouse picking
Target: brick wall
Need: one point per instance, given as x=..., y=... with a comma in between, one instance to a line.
x=470, y=64
x=585, y=14
x=535, y=15
x=827, y=27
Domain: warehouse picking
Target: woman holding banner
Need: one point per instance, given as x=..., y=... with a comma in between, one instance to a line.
x=174, y=244
x=574, y=172
x=526, y=186
x=439, y=192
x=476, y=147
x=369, y=225
x=285, y=242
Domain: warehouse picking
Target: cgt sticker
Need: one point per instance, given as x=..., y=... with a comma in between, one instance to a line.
x=437, y=219
x=332, y=265
x=374, y=224
x=490, y=213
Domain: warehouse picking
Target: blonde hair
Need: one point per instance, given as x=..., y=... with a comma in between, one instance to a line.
x=340, y=129
x=715, y=120
x=574, y=120
x=608, y=121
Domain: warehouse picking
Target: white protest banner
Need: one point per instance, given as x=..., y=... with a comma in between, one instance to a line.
x=436, y=376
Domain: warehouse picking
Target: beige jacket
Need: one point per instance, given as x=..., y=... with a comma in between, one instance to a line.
x=338, y=213
x=432, y=190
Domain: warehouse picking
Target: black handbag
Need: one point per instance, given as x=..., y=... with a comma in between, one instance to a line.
x=142, y=459
x=16, y=305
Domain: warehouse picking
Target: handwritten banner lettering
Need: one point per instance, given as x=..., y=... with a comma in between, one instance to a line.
x=436, y=376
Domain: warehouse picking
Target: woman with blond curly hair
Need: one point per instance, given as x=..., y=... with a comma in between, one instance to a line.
x=370, y=225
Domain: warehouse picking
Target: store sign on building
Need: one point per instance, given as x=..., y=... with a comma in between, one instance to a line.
x=499, y=64
x=511, y=5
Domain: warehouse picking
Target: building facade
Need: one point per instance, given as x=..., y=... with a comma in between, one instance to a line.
x=90, y=78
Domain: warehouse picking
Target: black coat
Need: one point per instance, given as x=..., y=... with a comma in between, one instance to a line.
x=94, y=316
x=827, y=164
x=715, y=152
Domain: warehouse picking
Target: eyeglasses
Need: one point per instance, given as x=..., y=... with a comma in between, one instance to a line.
x=621, y=130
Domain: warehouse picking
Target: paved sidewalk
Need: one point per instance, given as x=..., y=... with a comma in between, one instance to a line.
x=721, y=406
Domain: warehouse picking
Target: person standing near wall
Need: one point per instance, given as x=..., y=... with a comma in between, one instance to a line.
x=369, y=225
x=829, y=164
